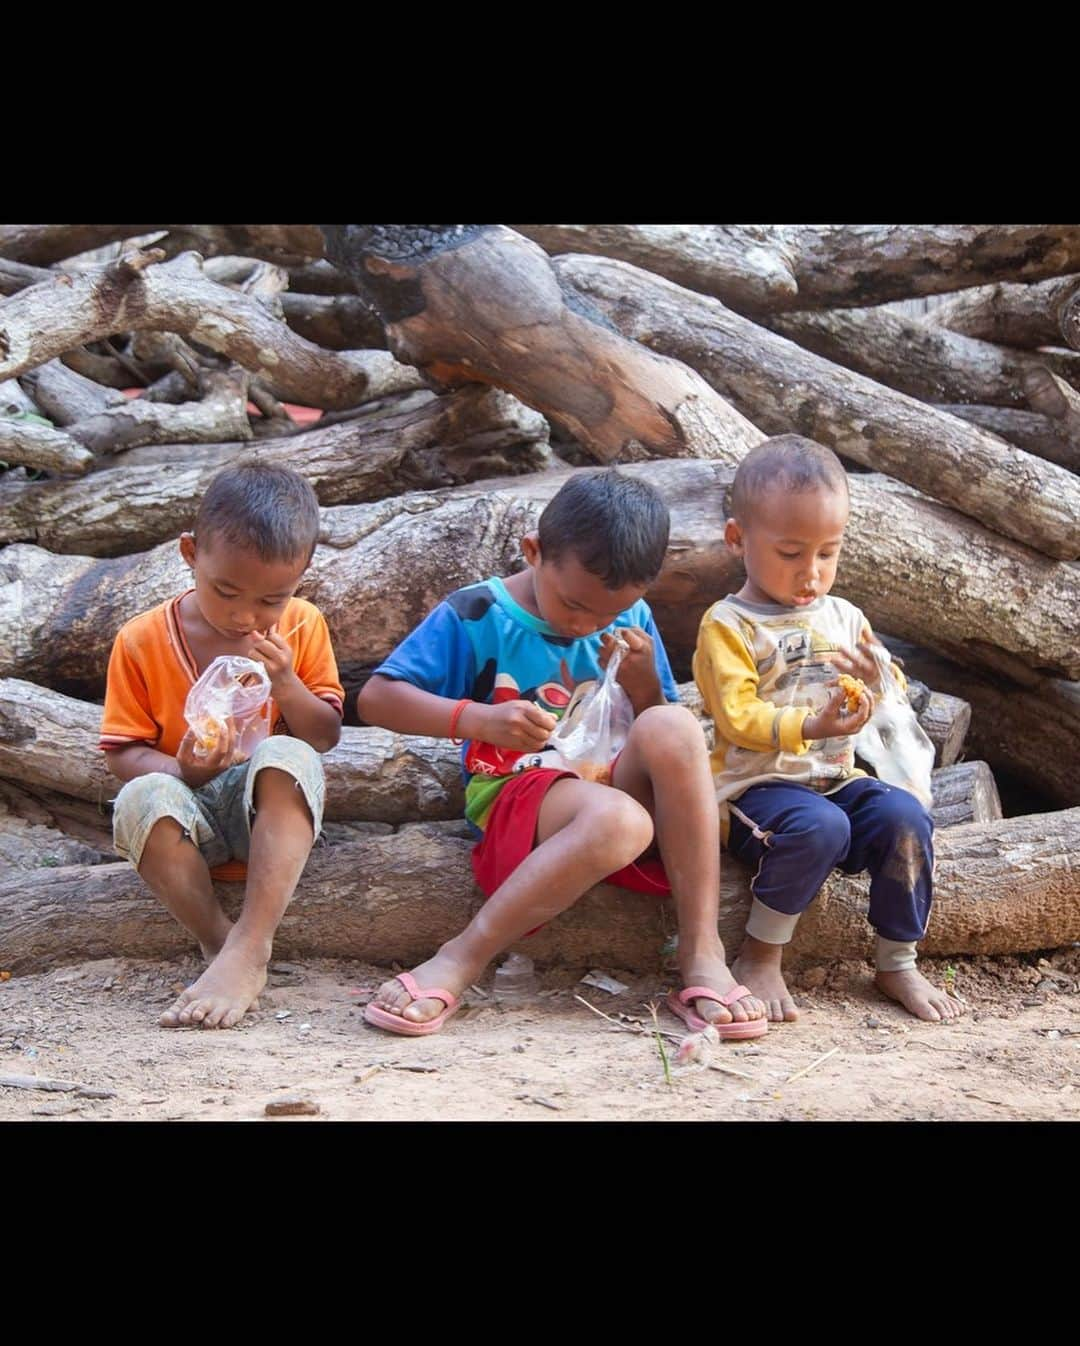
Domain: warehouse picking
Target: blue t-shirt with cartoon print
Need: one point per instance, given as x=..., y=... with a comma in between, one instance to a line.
x=482, y=644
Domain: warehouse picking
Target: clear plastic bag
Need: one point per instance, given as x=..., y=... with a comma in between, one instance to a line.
x=594, y=729
x=232, y=695
x=894, y=742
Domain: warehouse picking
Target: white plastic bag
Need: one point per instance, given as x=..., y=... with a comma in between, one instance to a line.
x=894, y=742
x=232, y=695
x=594, y=729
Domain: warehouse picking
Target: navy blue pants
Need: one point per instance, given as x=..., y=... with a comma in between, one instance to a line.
x=798, y=837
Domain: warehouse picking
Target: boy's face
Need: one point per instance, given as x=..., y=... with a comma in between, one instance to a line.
x=572, y=600
x=790, y=545
x=236, y=591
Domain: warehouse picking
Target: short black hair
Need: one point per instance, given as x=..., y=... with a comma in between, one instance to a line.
x=616, y=526
x=271, y=511
x=791, y=461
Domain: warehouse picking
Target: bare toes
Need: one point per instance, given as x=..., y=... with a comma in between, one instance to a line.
x=215, y=1015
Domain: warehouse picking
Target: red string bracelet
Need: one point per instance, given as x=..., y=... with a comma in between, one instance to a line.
x=455, y=715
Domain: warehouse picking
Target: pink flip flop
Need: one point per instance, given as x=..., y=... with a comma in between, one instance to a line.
x=679, y=1002
x=397, y=1024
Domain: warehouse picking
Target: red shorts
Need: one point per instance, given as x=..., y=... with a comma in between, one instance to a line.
x=511, y=834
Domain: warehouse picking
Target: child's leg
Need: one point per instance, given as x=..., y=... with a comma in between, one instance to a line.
x=159, y=826
x=584, y=832
x=284, y=786
x=176, y=872
x=794, y=838
x=665, y=767
x=891, y=836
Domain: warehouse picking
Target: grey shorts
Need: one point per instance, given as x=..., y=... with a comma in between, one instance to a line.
x=217, y=817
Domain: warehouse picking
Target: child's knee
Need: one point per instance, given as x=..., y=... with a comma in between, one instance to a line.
x=143, y=804
x=289, y=772
x=619, y=829
x=663, y=731
x=830, y=836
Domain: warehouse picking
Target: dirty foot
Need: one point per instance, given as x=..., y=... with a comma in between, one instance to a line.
x=713, y=971
x=224, y=993
x=765, y=979
x=911, y=989
x=443, y=971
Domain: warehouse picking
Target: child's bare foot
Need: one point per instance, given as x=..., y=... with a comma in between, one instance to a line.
x=765, y=979
x=713, y=971
x=224, y=993
x=911, y=989
x=443, y=971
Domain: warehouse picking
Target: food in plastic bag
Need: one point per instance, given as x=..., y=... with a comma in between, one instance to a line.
x=893, y=741
x=594, y=728
x=231, y=696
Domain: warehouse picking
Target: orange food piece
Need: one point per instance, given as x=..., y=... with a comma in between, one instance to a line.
x=853, y=690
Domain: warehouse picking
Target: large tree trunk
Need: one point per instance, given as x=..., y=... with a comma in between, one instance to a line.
x=444, y=440
x=382, y=567
x=1032, y=732
x=770, y=268
x=135, y=295
x=1025, y=316
x=749, y=267
x=785, y=388
x=48, y=741
x=930, y=363
x=1001, y=887
x=479, y=304
x=1047, y=437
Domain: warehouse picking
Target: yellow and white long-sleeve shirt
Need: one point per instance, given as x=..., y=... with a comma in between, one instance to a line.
x=763, y=669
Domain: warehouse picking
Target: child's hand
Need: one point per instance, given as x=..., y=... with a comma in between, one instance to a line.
x=833, y=722
x=858, y=663
x=276, y=655
x=200, y=763
x=511, y=724
x=637, y=672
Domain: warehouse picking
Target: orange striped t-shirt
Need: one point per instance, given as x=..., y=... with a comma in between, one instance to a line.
x=152, y=669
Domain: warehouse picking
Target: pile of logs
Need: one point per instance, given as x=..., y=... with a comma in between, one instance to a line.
x=436, y=384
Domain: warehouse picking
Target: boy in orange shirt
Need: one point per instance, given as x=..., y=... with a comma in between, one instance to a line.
x=190, y=806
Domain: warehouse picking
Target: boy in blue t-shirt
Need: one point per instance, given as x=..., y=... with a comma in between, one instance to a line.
x=496, y=664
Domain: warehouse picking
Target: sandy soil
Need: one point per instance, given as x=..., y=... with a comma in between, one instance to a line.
x=1014, y=1055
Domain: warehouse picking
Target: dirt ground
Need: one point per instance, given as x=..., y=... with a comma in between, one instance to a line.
x=1015, y=1055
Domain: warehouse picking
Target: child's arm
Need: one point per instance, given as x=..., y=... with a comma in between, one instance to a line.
x=406, y=709
x=309, y=717
x=727, y=676
x=637, y=673
x=140, y=759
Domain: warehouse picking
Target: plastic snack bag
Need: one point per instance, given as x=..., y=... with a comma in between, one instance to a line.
x=594, y=729
x=894, y=742
x=231, y=696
